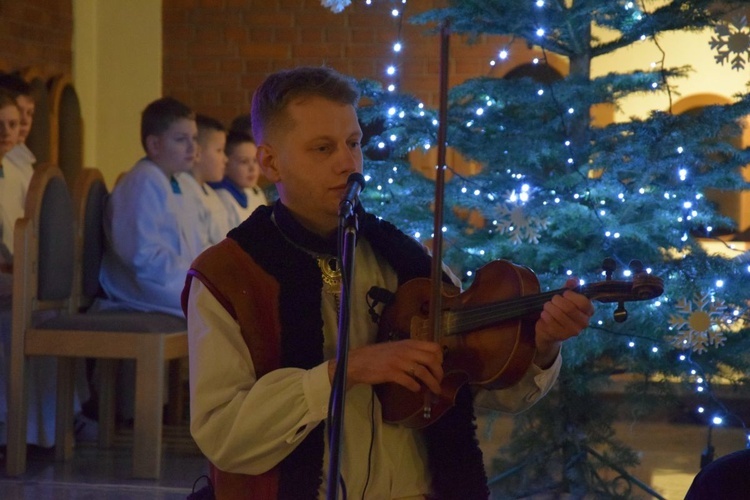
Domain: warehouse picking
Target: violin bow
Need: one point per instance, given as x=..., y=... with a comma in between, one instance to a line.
x=436, y=302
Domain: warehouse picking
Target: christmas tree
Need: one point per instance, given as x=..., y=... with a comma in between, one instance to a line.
x=558, y=192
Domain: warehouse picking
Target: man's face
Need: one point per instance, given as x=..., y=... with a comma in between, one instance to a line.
x=242, y=165
x=10, y=118
x=26, y=105
x=175, y=149
x=311, y=160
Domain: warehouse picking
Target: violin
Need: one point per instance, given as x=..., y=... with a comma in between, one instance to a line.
x=487, y=332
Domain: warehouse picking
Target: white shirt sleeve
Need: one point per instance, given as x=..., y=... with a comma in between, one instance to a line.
x=241, y=423
x=532, y=387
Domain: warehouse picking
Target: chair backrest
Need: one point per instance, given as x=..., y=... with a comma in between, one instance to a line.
x=89, y=199
x=43, y=244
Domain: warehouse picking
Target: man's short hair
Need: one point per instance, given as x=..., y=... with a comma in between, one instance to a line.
x=273, y=96
x=207, y=124
x=160, y=115
x=234, y=139
x=16, y=85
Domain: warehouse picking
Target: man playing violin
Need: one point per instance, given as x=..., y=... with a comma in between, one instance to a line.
x=262, y=320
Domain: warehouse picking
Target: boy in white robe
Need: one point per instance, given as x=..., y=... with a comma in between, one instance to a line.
x=151, y=229
x=13, y=187
x=21, y=156
x=14, y=184
x=239, y=189
x=214, y=222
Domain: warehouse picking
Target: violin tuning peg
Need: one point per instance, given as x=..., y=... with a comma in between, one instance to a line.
x=609, y=265
x=636, y=266
x=620, y=313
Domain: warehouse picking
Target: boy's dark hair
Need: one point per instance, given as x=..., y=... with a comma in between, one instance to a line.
x=160, y=115
x=234, y=139
x=7, y=98
x=273, y=96
x=16, y=85
x=207, y=124
x=242, y=123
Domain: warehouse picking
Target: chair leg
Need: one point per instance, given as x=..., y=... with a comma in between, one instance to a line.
x=64, y=435
x=176, y=399
x=149, y=407
x=106, y=372
x=15, y=461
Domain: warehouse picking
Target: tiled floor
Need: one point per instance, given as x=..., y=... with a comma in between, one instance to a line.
x=96, y=474
x=670, y=458
x=669, y=453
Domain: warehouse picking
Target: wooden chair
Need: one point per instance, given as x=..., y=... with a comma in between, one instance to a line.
x=53, y=244
x=89, y=199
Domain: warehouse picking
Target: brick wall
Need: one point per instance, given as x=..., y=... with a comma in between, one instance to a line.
x=217, y=51
x=36, y=35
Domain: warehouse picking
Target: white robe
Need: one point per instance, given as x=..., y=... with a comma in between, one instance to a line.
x=248, y=425
x=14, y=184
x=22, y=157
x=213, y=222
x=152, y=238
x=237, y=214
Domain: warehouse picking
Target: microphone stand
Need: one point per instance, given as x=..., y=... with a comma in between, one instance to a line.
x=348, y=227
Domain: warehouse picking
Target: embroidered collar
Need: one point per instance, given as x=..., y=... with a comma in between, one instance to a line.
x=175, y=185
x=237, y=192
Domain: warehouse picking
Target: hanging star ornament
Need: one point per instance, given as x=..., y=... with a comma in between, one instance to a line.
x=700, y=323
x=732, y=38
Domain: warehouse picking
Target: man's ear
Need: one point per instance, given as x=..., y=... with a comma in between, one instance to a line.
x=267, y=161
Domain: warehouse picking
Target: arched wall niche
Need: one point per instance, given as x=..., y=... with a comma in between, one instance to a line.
x=425, y=161
x=524, y=61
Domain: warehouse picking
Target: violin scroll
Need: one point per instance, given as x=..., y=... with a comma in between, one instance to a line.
x=642, y=287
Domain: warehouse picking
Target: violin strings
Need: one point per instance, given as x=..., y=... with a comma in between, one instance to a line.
x=472, y=318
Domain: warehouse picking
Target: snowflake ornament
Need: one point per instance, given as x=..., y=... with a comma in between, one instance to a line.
x=732, y=38
x=335, y=6
x=699, y=324
x=514, y=221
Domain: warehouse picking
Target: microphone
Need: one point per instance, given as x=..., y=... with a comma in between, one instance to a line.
x=354, y=185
